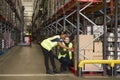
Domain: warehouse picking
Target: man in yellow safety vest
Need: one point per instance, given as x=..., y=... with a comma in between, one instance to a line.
x=47, y=45
x=65, y=56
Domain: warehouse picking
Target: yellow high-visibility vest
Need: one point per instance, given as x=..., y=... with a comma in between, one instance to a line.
x=48, y=44
x=60, y=55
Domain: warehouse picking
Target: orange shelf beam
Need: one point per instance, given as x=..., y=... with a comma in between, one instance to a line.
x=72, y=5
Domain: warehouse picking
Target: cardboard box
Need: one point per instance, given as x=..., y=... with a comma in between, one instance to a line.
x=93, y=56
x=98, y=47
x=83, y=55
x=86, y=54
x=89, y=54
x=98, y=29
x=86, y=42
x=97, y=56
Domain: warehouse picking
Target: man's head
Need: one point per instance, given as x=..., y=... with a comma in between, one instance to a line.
x=63, y=34
x=67, y=39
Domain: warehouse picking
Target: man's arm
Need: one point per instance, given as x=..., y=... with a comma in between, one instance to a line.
x=63, y=46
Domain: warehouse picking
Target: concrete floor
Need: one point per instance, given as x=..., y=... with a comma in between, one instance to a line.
x=26, y=63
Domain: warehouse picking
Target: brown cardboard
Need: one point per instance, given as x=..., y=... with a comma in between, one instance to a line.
x=97, y=56
x=85, y=40
x=98, y=47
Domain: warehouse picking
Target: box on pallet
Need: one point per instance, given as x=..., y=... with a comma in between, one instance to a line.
x=97, y=56
x=85, y=54
x=86, y=42
x=86, y=45
x=98, y=47
x=91, y=56
x=94, y=67
x=86, y=48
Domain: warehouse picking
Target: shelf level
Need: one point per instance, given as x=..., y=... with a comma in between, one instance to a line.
x=90, y=0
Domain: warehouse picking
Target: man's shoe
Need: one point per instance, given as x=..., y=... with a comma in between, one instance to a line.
x=49, y=72
x=55, y=71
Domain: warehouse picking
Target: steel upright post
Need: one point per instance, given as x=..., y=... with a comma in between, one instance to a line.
x=104, y=37
x=116, y=33
x=78, y=47
x=64, y=23
x=22, y=23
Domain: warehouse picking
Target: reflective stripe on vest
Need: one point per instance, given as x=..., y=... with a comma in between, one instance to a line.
x=48, y=44
x=70, y=53
x=59, y=55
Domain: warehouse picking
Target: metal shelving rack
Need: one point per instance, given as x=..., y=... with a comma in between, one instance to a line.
x=111, y=42
x=73, y=14
x=9, y=24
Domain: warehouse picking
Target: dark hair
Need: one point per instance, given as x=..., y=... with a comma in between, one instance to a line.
x=63, y=32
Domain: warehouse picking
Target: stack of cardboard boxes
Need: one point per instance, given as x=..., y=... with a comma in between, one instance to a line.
x=89, y=50
x=86, y=46
x=97, y=54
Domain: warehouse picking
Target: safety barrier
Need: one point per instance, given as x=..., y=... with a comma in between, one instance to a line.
x=109, y=62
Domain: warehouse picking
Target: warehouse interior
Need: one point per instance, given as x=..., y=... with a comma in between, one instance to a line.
x=93, y=27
